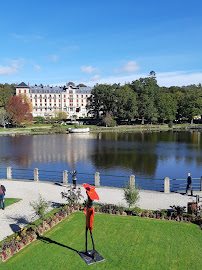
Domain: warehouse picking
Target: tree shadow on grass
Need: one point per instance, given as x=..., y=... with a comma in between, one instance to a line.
x=50, y=241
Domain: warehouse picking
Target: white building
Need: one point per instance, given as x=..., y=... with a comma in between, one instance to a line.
x=48, y=99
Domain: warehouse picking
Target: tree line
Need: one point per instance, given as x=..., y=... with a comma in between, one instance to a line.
x=144, y=99
x=14, y=109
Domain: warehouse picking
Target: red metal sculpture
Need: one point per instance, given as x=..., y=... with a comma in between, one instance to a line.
x=90, y=256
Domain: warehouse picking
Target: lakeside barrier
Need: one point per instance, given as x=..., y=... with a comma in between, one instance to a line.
x=165, y=185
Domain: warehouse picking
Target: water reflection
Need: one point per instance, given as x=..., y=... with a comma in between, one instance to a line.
x=153, y=154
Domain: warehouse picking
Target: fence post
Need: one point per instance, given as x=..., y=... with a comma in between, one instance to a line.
x=36, y=174
x=65, y=177
x=9, y=173
x=132, y=181
x=166, y=185
x=201, y=184
x=97, y=179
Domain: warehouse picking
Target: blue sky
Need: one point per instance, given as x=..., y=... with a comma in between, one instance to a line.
x=53, y=42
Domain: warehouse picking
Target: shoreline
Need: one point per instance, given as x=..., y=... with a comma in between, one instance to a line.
x=46, y=130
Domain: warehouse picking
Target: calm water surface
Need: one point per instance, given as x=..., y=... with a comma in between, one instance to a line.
x=145, y=154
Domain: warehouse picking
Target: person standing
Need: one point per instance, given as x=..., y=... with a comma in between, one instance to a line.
x=189, y=184
x=2, y=194
x=74, y=173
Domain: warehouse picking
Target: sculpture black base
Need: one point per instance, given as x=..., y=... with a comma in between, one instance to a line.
x=89, y=258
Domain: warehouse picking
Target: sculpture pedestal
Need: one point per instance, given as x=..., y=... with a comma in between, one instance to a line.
x=89, y=258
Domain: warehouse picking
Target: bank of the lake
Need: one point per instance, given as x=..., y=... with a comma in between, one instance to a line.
x=49, y=129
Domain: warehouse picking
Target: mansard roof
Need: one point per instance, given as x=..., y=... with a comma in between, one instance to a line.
x=22, y=85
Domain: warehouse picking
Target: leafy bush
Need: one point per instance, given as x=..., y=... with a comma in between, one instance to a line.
x=40, y=207
x=72, y=195
x=131, y=194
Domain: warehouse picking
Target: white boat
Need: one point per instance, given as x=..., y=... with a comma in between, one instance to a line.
x=79, y=130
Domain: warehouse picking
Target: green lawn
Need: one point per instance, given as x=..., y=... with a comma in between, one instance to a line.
x=124, y=242
x=9, y=201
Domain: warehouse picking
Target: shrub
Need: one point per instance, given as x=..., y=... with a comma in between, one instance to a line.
x=72, y=195
x=131, y=194
x=40, y=207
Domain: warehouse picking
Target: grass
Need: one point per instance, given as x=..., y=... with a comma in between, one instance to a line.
x=124, y=242
x=9, y=201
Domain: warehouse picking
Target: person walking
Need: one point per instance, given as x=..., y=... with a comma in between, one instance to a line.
x=189, y=181
x=74, y=173
x=2, y=194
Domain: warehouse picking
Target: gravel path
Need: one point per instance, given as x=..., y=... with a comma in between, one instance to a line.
x=19, y=214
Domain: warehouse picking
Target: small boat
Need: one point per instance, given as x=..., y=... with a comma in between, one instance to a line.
x=78, y=130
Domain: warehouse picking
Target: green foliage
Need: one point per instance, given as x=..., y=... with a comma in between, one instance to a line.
x=6, y=92
x=39, y=119
x=170, y=124
x=108, y=120
x=131, y=194
x=3, y=117
x=72, y=195
x=40, y=207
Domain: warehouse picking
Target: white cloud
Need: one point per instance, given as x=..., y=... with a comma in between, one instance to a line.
x=178, y=78
x=54, y=58
x=37, y=67
x=95, y=78
x=88, y=69
x=13, y=66
x=129, y=67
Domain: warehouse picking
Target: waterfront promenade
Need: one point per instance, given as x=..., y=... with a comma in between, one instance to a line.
x=19, y=214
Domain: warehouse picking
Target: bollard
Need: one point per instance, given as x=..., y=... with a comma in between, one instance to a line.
x=166, y=185
x=9, y=173
x=65, y=177
x=97, y=179
x=132, y=181
x=201, y=184
x=36, y=174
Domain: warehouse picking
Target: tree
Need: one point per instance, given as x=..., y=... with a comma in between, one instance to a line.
x=18, y=111
x=167, y=106
x=146, y=89
x=131, y=194
x=108, y=120
x=25, y=99
x=81, y=85
x=59, y=115
x=125, y=103
x=101, y=101
x=6, y=91
x=3, y=117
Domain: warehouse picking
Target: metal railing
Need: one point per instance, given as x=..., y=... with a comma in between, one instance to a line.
x=158, y=184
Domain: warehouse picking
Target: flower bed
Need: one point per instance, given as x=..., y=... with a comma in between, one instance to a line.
x=25, y=236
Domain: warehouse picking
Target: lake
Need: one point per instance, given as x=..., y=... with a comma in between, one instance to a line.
x=146, y=154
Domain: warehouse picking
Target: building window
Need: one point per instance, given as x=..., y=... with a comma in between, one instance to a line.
x=55, y=105
x=55, y=100
x=41, y=110
x=86, y=95
x=31, y=100
x=36, y=109
x=40, y=105
x=19, y=91
x=82, y=96
x=45, y=100
x=77, y=100
x=82, y=100
x=25, y=91
x=81, y=104
x=40, y=100
x=35, y=104
x=59, y=100
x=50, y=100
x=64, y=96
x=64, y=100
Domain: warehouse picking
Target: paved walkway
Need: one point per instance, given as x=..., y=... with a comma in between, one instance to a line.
x=18, y=215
